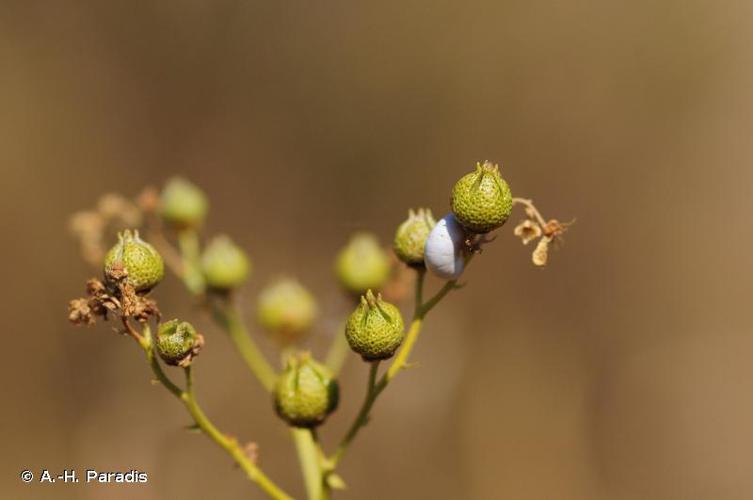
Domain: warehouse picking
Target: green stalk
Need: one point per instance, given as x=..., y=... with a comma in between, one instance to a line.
x=337, y=353
x=228, y=444
x=375, y=388
x=190, y=250
x=308, y=456
x=188, y=397
x=362, y=417
x=228, y=315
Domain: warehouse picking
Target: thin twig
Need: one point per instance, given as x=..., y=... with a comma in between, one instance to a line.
x=363, y=415
x=188, y=397
x=529, y=205
x=227, y=314
x=229, y=444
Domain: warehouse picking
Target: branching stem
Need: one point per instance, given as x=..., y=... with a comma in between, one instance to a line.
x=532, y=208
x=374, y=387
x=309, y=459
x=363, y=415
x=188, y=398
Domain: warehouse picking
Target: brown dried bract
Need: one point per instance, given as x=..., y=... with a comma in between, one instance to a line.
x=97, y=303
x=120, y=299
x=79, y=312
x=136, y=306
x=554, y=228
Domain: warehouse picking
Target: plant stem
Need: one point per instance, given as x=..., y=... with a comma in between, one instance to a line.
x=423, y=310
x=188, y=242
x=375, y=388
x=188, y=397
x=229, y=444
x=308, y=456
x=161, y=377
x=363, y=415
x=146, y=343
x=419, y=295
x=529, y=205
x=401, y=360
x=337, y=353
x=339, y=349
x=227, y=314
x=173, y=259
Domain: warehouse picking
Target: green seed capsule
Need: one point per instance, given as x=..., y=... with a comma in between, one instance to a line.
x=286, y=309
x=178, y=342
x=225, y=265
x=362, y=264
x=375, y=329
x=306, y=393
x=481, y=200
x=142, y=264
x=182, y=204
x=411, y=235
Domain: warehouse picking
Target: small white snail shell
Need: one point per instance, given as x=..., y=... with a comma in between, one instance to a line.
x=443, y=253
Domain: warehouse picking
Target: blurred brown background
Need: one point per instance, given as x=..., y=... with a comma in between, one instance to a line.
x=620, y=372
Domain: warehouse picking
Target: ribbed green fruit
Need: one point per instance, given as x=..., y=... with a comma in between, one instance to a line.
x=375, y=329
x=362, y=264
x=224, y=264
x=177, y=342
x=306, y=392
x=410, y=237
x=142, y=263
x=286, y=309
x=182, y=203
x=481, y=200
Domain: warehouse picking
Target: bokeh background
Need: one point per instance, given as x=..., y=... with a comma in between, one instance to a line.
x=622, y=371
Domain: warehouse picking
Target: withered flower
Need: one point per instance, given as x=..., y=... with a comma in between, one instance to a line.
x=527, y=231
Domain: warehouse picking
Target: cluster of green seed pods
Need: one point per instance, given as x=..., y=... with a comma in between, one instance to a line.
x=306, y=392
